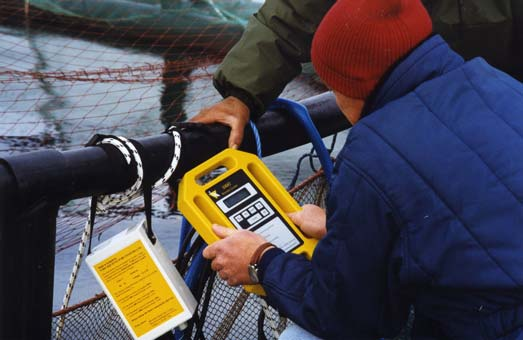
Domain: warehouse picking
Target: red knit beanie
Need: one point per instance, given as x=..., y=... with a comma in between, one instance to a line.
x=358, y=40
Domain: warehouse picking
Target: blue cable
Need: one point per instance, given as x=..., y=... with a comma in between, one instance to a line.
x=256, y=138
x=195, y=268
x=185, y=229
x=301, y=113
x=191, y=278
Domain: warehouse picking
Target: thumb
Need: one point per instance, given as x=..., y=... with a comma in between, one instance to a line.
x=222, y=232
x=295, y=217
x=236, y=136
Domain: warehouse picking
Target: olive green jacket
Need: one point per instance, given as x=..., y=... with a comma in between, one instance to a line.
x=278, y=38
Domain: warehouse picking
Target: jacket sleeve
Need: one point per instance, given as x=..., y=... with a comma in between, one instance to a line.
x=270, y=52
x=345, y=290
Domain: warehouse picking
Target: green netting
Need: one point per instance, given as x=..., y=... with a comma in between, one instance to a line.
x=173, y=15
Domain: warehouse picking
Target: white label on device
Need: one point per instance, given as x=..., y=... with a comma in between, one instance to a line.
x=276, y=232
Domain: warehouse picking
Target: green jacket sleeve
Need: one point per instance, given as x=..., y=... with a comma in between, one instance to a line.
x=270, y=52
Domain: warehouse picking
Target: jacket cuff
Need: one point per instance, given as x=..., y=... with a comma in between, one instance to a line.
x=265, y=261
x=256, y=108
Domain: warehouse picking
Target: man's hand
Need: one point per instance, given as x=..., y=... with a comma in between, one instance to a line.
x=232, y=255
x=231, y=112
x=312, y=220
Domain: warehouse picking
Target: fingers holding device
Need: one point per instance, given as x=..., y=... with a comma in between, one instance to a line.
x=248, y=200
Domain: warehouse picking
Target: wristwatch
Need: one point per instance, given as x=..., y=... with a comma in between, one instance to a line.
x=253, y=266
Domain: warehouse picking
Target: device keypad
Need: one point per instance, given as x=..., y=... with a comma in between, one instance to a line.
x=251, y=214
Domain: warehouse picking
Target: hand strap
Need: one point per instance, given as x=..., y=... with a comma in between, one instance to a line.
x=257, y=253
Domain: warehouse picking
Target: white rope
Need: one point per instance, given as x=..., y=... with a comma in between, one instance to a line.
x=174, y=160
x=129, y=152
x=74, y=273
x=268, y=316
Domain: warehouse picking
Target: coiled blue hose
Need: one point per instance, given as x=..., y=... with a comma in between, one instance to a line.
x=301, y=113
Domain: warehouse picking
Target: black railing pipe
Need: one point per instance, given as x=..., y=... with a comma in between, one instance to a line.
x=34, y=185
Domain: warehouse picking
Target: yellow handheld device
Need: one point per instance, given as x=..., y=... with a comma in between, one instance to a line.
x=245, y=196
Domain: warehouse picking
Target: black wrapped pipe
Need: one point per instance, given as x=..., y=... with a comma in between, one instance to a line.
x=62, y=176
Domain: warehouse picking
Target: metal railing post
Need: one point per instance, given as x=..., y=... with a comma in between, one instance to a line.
x=27, y=254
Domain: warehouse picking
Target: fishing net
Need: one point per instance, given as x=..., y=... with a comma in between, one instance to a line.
x=224, y=312
x=73, y=68
x=70, y=69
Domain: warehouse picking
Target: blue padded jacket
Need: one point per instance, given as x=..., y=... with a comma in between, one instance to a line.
x=425, y=210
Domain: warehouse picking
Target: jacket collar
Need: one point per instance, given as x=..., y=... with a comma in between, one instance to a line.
x=429, y=60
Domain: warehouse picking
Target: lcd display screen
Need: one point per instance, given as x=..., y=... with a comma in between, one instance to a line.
x=237, y=197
